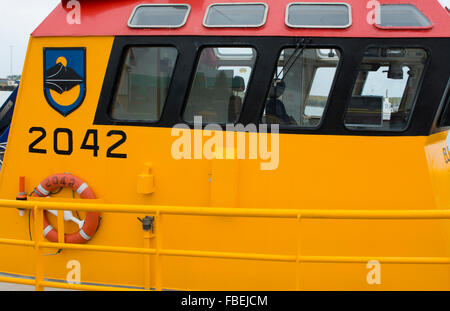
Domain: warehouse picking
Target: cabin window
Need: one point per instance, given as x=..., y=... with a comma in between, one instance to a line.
x=236, y=15
x=401, y=16
x=386, y=88
x=301, y=87
x=144, y=83
x=159, y=16
x=220, y=84
x=319, y=15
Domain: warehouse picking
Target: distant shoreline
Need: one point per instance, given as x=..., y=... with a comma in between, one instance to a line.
x=7, y=88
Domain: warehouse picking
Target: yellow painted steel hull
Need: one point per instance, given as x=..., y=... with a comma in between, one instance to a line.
x=316, y=172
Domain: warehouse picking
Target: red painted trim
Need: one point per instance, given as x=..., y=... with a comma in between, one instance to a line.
x=110, y=18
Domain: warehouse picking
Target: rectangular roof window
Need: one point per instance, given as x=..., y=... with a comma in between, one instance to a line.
x=236, y=15
x=318, y=15
x=159, y=16
x=401, y=16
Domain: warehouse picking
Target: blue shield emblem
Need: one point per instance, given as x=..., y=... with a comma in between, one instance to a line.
x=65, y=78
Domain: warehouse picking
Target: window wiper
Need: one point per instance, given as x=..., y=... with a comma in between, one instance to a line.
x=294, y=57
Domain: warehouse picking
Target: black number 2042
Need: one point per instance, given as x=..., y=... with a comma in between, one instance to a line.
x=32, y=146
x=123, y=139
x=90, y=142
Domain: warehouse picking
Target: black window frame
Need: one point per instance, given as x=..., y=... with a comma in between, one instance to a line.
x=118, y=79
x=423, y=122
x=445, y=108
x=112, y=81
x=338, y=69
x=194, y=72
x=416, y=96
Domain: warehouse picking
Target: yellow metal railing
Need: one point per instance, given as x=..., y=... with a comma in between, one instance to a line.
x=39, y=243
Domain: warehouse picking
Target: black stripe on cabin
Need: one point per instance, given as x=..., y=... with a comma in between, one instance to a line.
x=424, y=121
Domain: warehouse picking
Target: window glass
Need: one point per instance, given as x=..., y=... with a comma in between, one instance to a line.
x=236, y=15
x=220, y=85
x=319, y=15
x=301, y=87
x=144, y=83
x=401, y=15
x=386, y=88
x=148, y=16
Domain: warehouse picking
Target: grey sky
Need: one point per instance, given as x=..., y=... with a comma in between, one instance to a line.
x=18, y=18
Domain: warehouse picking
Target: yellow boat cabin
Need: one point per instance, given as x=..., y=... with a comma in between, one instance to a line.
x=257, y=145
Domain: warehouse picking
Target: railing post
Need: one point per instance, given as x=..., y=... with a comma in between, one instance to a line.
x=297, y=261
x=158, y=237
x=38, y=235
x=60, y=226
x=147, y=274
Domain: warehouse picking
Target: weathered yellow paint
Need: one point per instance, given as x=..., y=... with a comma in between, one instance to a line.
x=316, y=172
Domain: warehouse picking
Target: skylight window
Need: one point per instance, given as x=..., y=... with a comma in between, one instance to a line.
x=159, y=16
x=401, y=16
x=236, y=15
x=318, y=15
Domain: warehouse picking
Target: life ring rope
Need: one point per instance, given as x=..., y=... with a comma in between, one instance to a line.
x=87, y=227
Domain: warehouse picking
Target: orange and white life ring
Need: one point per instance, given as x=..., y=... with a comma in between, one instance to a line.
x=88, y=226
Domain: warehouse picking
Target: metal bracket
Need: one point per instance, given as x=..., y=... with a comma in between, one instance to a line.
x=147, y=223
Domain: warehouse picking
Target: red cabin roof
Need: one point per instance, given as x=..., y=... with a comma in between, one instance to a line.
x=110, y=18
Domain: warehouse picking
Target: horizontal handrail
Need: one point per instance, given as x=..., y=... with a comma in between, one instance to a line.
x=86, y=287
x=64, y=285
x=84, y=205
x=17, y=280
x=232, y=255
x=17, y=242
